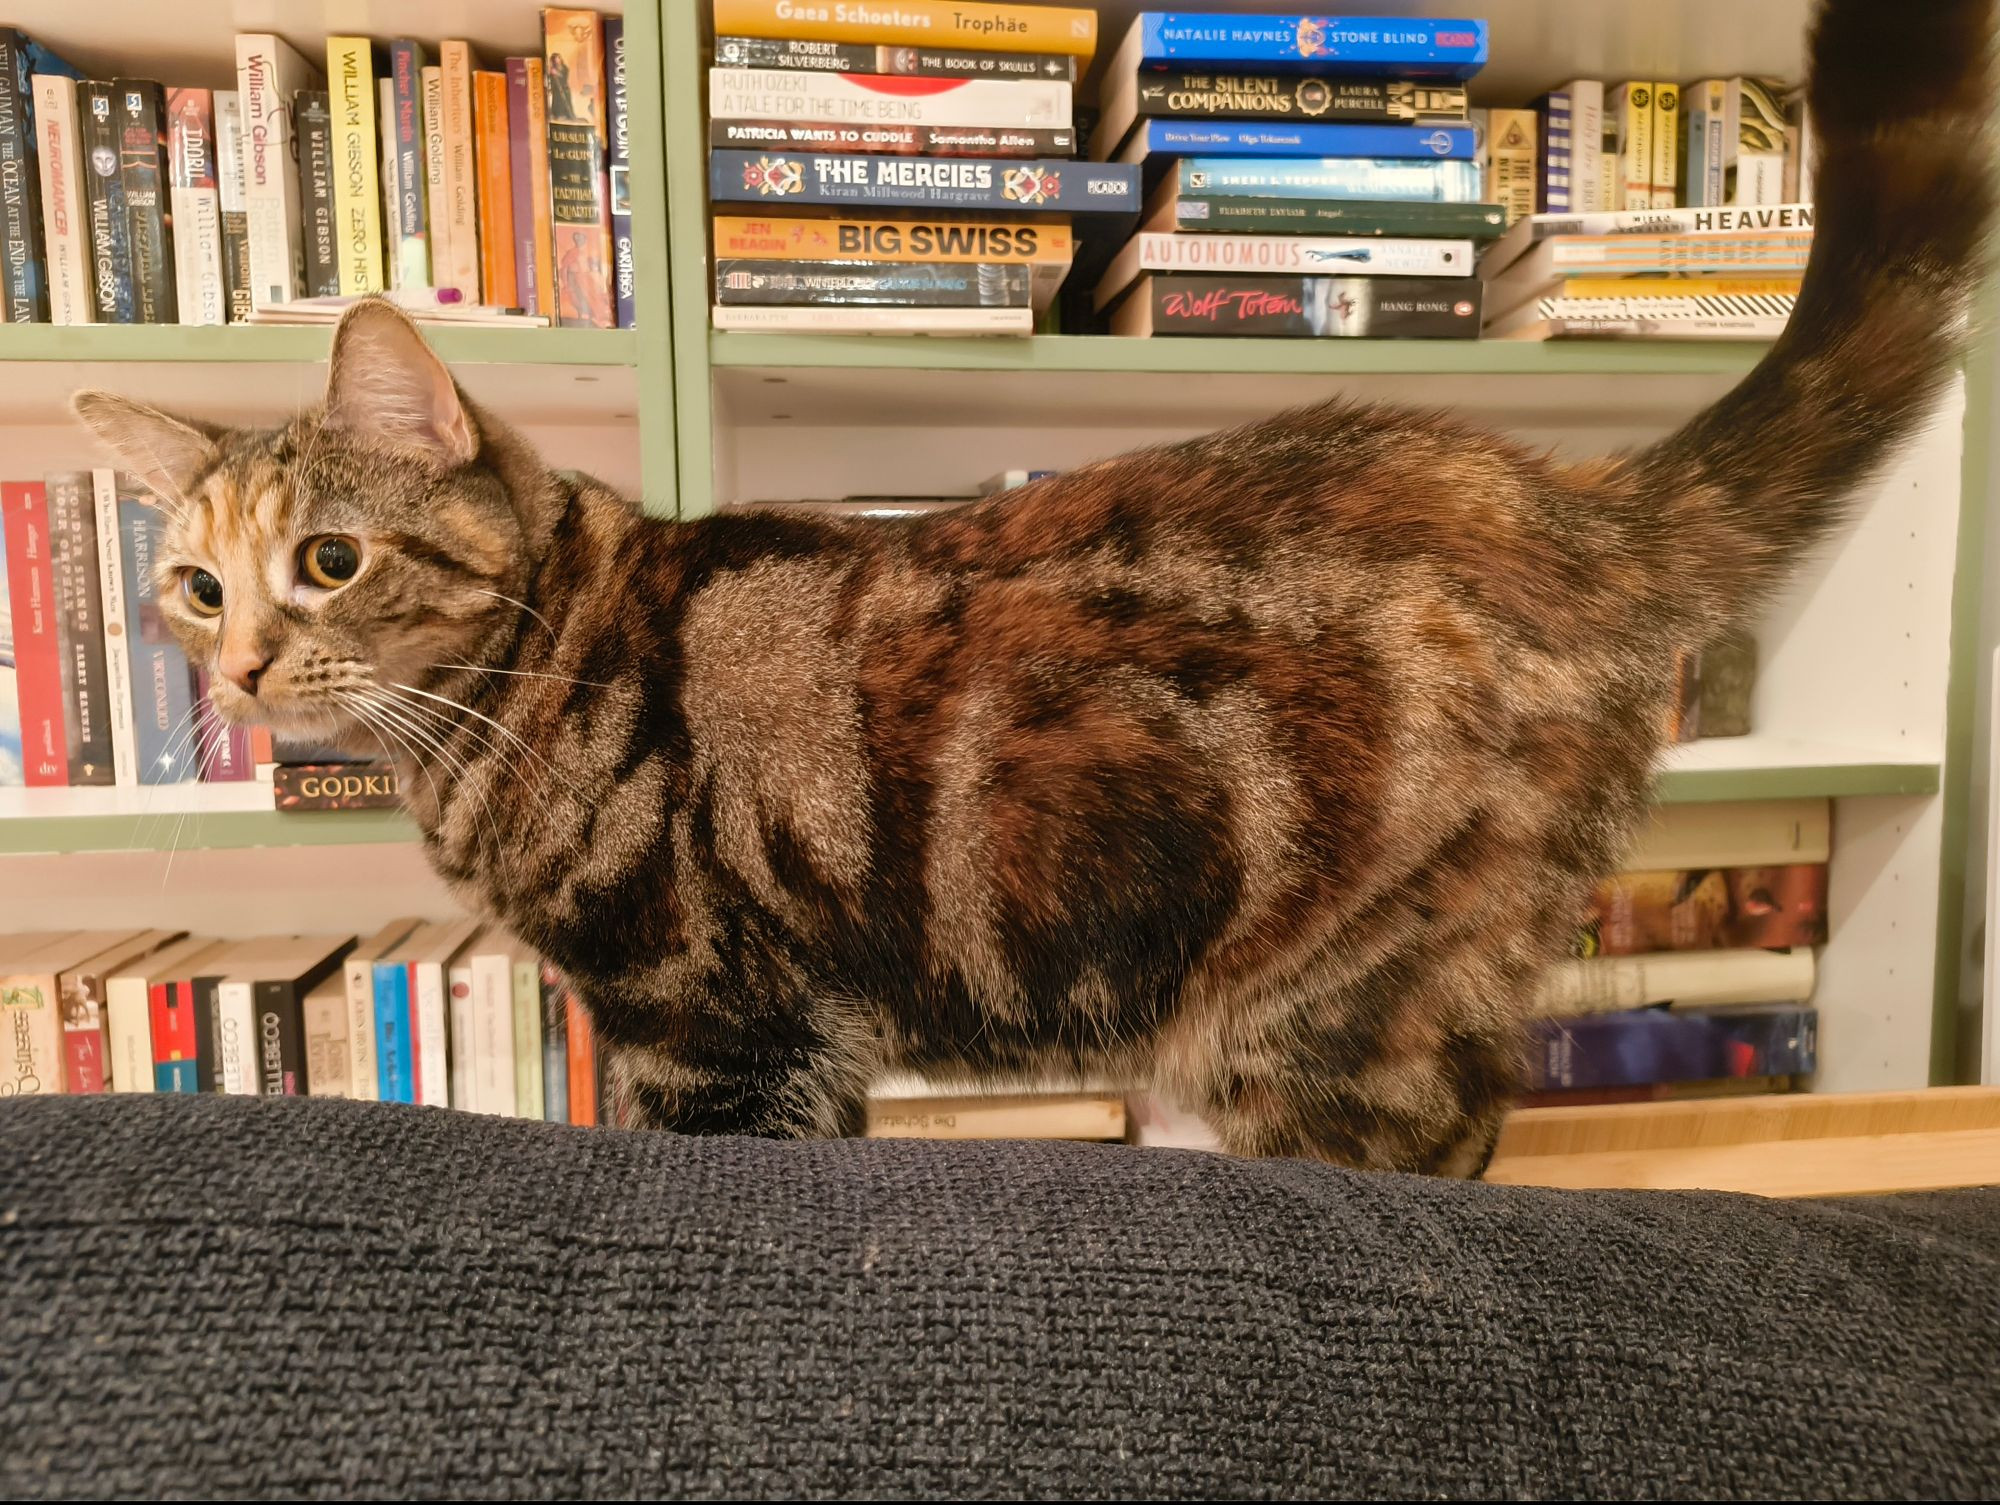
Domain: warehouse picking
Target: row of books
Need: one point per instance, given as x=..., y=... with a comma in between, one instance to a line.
x=469, y=194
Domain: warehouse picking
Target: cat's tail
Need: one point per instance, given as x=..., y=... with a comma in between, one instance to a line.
x=1900, y=98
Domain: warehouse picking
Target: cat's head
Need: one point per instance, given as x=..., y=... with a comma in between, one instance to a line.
x=329, y=569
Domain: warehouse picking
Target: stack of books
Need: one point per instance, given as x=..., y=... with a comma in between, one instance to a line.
x=901, y=169
x=466, y=194
x=1307, y=176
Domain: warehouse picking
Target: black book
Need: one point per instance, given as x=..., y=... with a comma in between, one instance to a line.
x=104, y=191
x=80, y=627
x=279, y=998
x=142, y=167
x=315, y=126
x=23, y=263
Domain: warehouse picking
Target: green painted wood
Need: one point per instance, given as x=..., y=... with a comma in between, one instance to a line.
x=659, y=467
x=292, y=344
x=222, y=829
x=686, y=153
x=1190, y=356
x=1839, y=781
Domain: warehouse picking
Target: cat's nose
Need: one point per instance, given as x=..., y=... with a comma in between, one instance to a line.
x=243, y=667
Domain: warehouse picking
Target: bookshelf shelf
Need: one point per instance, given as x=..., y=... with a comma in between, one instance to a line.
x=84, y=343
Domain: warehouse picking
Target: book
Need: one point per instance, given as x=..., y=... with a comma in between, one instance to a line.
x=269, y=76
x=1700, y=141
x=1598, y=984
x=1738, y=141
x=901, y=140
x=925, y=61
x=225, y=1021
x=618, y=175
x=43, y=748
x=1666, y=144
x=1802, y=154
x=435, y=948
x=1009, y=480
x=1661, y=298
x=195, y=201
x=960, y=23
x=395, y=1022
x=437, y=201
x=521, y=182
x=493, y=159
x=1180, y=94
x=1762, y=219
x=874, y=320
x=1233, y=304
x=543, y=301
x=1628, y=135
x=80, y=628
x=1407, y=47
x=1045, y=247
x=24, y=275
x=358, y=993
x=885, y=99
x=283, y=980
x=491, y=1037
x=1660, y=1092
x=573, y=81
x=1706, y=909
x=104, y=198
x=357, y=186
x=1586, y=152
x=1172, y=209
x=392, y=187
x=458, y=1015
x=1555, y=178
x=174, y=1013
x=1740, y=833
x=104, y=488
x=229, y=163
x=927, y=182
x=525, y=988
x=555, y=1046
x=1329, y=178
x=162, y=682
x=31, y=1006
x=313, y=118
x=145, y=174
x=128, y=1009
x=581, y=1047
x=81, y=994
x=850, y=283
x=1662, y=1045
x=1157, y=144
x=1708, y=253
x=329, y=1066
x=224, y=750
x=335, y=786
x=408, y=227
x=1508, y=159
x=1376, y=256
x=65, y=217
x=1071, y=1115
x=1728, y=675
x=460, y=125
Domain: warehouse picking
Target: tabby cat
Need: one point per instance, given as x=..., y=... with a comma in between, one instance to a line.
x=1270, y=767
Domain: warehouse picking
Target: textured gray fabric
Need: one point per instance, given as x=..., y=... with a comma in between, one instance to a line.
x=226, y=1296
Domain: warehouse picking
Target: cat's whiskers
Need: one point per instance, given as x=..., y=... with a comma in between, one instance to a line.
x=562, y=679
x=515, y=601
x=360, y=710
x=459, y=705
x=457, y=765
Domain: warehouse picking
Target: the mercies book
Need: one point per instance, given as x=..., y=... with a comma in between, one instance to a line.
x=912, y=62
x=923, y=183
x=1231, y=304
x=962, y=23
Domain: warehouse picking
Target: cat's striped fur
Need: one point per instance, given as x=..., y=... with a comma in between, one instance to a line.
x=1270, y=766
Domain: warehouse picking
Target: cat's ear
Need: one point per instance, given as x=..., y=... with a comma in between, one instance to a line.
x=385, y=382
x=169, y=454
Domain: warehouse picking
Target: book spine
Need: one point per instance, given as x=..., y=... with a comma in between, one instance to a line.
x=162, y=684
x=871, y=99
x=902, y=140
x=967, y=183
x=1510, y=162
x=1628, y=117
x=1386, y=143
x=229, y=160
x=464, y=1074
x=1317, y=307
x=411, y=221
x=994, y=28
x=1765, y=908
x=1744, y=305
x=207, y=1029
x=31, y=1025
x=80, y=629
x=357, y=187
x=1743, y=254
x=21, y=252
x=624, y=262
x=65, y=220
x=493, y=1085
x=539, y=190
x=196, y=202
x=430, y=1034
x=520, y=177
x=395, y=1069
x=579, y=193
x=461, y=177
x=1555, y=117
x=901, y=284
x=910, y=62
x=329, y=1066
x=1375, y=255
x=582, y=1063
x=359, y=976
x=335, y=786
x=224, y=749
x=1639, y=1046
x=128, y=1020
x=493, y=163
x=24, y=518
x=876, y=319
x=1666, y=145
x=526, y=989
x=770, y=239
x=1756, y=142
x=1334, y=178
x=142, y=162
x=268, y=75
x=86, y=1046
x=281, y=1034
x=110, y=226
x=437, y=203
x=236, y=1042
x=314, y=122
x=1181, y=95
x=1587, y=173
x=392, y=186
x=1415, y=47
x=175, y=1066
x=555, y=1048
x=117, y=648
x=1203, y=215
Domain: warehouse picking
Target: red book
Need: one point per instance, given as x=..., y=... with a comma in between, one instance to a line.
x=582, y=1064
x=173, y=1012
x=31, y=585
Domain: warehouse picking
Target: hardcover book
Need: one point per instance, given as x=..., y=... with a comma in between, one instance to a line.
x=927, y=183
x=1231, y=304
x=1452, y=182
x=162, y=682
x=104, y=191
x=949, y=23
x=624, y=262
x=23, y=269
x=493, y=152
x=902, y=140
x=37, y=652
x=1154, y=142
x=898, y=284
x=1662, y=1045
x=579, y=190
x=65, y=218
x=314, y=121
x=885, y=99
x=235, y=206
x=80, y=629
x=1706, y=910
x=269, y=76
x=143, y=167
x=357, y=187
x=926, y=61
x=409, y=226
x=1406, y=46
x=196, y=201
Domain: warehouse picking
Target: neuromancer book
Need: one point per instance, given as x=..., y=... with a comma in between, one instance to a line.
x=65, y=224
x=1230, y=304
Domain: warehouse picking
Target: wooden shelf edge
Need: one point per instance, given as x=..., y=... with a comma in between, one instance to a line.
x=1694, y=786
x=204, y=831
x=171, y=343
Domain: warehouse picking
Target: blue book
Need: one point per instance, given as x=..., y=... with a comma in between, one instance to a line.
x=555, y=1051
x=1330, y=178
x=1258, y=138
x=163, y=725
x=1639, y=1047
x=781, y=179
x=624, y=274
x=176, y=1076
x=1406, y=46
x=395, y=1076
x=23, y=258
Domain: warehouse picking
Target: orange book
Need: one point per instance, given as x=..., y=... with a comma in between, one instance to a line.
x=538, y=191
x=582, y=1064
x=496, y=189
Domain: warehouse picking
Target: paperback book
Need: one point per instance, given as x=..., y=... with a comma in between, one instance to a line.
x=1378, y=256
x=1408, y=47
x=924, y=61
x=923, y=183
x=1225, y=304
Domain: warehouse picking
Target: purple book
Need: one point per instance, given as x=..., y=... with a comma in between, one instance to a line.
x=623, y=272
x=225, y=750
x=1638, y=1047
x=523, y=166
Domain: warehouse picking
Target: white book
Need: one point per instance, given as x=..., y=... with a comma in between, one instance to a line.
x=197, y=215
x=65, y=221
x=492, y=1025
x=858, y=320
x=117, y=650
x=1528, y=323
x=436, y=214
x=767, y=94
x=430, y=1017
x=1343, y=255
x=1603, y=984
x=235, y=1034
x=1738, y=833
x=128, y=1017
x=1723, y=219
x=392, y=177
x=461, y=173
x=1588, y=187
x=464, y=1045
x=269, y=74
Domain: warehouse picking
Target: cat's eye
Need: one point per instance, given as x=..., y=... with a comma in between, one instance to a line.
x=203, y=592
x=330, y=561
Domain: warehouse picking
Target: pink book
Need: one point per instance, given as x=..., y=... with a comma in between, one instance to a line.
x=225, y=750
x=518, y=136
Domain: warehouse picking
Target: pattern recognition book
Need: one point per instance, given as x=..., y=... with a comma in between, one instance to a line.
x=196, y=202
x=269, y=75
x=895, y=284
x=960, y=23
x=1171, y=209
x=884, y=99
x=1182, y=95
x=914, y=62
x=65, y=219
x=1377, y=256
x=1329, y=178
x=924, y=183
x=1408, y=47
x=902, y=140
x=1194, y=303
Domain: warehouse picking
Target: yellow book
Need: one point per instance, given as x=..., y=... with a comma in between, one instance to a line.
x=958, y=23
x=545, y=246
x=1681, y=287
x=1508, y=159
x=1666, y=145
x=1028, y=1115
x=357, y=183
